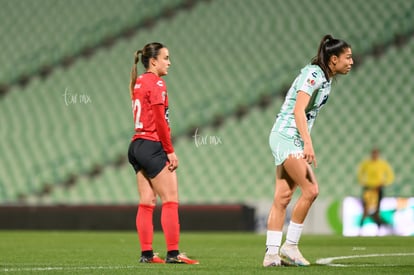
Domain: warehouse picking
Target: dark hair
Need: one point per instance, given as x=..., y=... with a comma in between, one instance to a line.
x=328, y=46
x=149, y=51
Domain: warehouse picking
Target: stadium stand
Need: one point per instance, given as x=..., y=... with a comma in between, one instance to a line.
x=64, y=134
x=41, y=35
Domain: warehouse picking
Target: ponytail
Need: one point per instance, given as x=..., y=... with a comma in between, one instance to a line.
x=134, y=73
x=328, y=47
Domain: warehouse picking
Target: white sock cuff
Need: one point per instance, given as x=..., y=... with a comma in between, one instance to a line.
x=274, y=237
x=296, y=225
x=294, y=232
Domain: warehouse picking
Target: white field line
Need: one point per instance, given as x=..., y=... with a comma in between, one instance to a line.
x=323, y=261
x=64, y=268
x=329, y=261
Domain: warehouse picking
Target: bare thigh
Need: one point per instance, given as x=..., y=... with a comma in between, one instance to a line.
x=285, y=186
x=299, y=172
x=165, y=185
x=146, y=192
x=284, y=189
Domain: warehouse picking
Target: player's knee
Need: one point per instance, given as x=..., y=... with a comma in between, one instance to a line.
x=282, y=200
x=168, y=194
x=147, y=202
x=148, y=199
x=311, y=194
x=315, y=194
x=169, y=198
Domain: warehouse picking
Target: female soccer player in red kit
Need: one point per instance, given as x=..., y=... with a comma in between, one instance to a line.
x=152, y=155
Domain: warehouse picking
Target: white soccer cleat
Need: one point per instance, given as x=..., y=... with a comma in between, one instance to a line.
x=290, y=255
x=271, y=260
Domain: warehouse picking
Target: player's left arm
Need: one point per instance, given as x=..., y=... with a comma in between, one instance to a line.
x=164, y=135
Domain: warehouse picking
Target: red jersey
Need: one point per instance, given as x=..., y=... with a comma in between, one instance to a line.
x=150, y=92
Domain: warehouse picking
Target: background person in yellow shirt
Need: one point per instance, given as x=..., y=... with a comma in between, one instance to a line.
x=373, y=174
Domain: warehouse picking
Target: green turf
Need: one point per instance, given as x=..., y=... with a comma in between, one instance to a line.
x=45, y=252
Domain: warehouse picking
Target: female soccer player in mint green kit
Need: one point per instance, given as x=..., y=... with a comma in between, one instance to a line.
x=291, y=145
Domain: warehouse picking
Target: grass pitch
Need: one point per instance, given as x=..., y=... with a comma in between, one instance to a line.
x=61, y=252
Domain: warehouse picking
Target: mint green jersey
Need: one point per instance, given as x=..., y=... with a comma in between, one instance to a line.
x=312, y=81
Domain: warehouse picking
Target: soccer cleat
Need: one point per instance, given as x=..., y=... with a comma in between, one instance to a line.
x=180, y=259
x=271, y=260
x=290, y=255
x=152, y=260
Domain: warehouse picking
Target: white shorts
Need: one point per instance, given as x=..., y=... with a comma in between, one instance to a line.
x=282, y=147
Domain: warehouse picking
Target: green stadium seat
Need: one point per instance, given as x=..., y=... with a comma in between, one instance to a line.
x=217, y=65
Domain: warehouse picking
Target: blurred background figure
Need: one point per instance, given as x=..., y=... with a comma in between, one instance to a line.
x=374, y=174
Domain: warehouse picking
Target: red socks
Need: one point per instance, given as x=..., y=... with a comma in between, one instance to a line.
x=145, y=227
x=170, y=224
x=169, y=221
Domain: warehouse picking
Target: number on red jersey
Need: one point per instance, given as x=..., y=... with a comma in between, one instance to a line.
x=136, y=110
